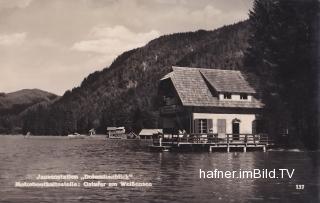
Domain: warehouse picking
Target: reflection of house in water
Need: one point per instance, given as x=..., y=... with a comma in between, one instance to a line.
x=148, y=133
x=209, y=101
x=116, y=132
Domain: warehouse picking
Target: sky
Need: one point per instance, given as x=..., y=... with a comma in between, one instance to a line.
x=54, y=44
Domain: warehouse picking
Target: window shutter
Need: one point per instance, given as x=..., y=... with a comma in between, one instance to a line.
x=196, y=126
x=221, y=125
x=254, y=127
x=224, y=126
x=209, y=126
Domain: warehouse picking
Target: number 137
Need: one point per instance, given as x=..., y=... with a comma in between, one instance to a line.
x=299, y=187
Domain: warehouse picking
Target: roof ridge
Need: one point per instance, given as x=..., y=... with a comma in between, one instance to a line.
x=210, y=69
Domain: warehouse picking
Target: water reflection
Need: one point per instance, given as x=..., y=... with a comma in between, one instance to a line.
x=175, y=176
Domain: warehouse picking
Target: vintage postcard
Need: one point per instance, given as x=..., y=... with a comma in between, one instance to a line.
x=159, y=101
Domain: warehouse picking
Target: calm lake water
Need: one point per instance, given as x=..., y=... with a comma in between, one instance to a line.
x=174, y=176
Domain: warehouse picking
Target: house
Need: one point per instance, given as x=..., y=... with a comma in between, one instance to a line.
x=204, y=101
x=116, y=132
x=148, y=133
x=92, y=132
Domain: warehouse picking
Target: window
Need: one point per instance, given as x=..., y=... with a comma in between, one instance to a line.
x=243, y=96
x=202, y=125
x=227, y=96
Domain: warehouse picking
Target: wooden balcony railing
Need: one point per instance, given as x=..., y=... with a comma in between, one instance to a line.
x=254, y=139
x=170, y=109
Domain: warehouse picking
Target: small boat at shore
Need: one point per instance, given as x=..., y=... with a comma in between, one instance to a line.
x=77, y=135
x=27, y=135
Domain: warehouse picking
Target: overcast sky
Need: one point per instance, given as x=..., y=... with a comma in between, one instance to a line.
x=53, y=44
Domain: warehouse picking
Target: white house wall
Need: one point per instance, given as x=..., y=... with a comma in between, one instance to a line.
x=245, y=124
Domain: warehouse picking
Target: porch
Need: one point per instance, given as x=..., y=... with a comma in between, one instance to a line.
x=212, y=142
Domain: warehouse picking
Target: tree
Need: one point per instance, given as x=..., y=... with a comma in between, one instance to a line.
x=282, y=53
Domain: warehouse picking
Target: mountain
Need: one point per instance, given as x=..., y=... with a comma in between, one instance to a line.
x=16, y=102
x=126, y=92
x=13, y=104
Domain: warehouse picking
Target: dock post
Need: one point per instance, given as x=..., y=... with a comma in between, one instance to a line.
x=228, y=149
x=244, y=149
x=160, y=141
x=264, y=148
x=210, y=149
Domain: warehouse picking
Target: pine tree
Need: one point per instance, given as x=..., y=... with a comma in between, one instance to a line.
x=282, y=52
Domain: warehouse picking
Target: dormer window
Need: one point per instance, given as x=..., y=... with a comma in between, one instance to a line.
x=227, y=96
x=243, y=96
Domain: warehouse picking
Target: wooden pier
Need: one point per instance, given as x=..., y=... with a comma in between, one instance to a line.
x=212, y=142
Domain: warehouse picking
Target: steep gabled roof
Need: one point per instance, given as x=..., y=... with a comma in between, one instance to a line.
x=193, y=87
x=227, y=81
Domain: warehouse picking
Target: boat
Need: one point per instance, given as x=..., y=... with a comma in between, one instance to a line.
x=76, y=135
x=27, y=135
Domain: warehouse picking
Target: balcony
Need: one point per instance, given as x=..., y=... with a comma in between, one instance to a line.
x=196, y=138
x=170, y=109
x=212, y=142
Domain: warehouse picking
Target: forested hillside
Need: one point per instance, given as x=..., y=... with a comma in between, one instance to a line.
x=126, y=92
x=13, y=105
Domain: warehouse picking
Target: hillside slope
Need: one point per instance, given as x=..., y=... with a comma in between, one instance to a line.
x=13, y=104
x=125, y=93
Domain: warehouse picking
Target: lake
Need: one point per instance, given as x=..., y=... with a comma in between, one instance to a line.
x=174, y=176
